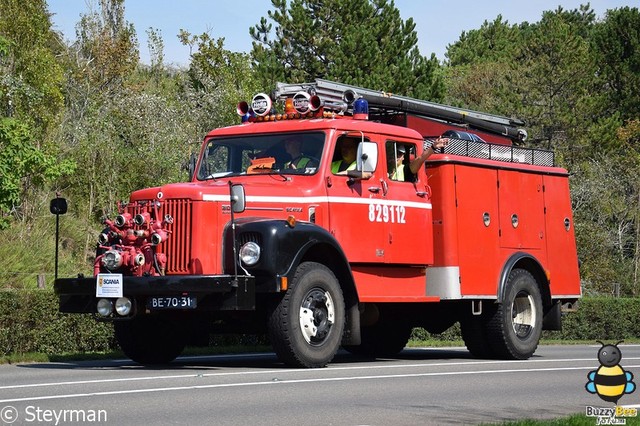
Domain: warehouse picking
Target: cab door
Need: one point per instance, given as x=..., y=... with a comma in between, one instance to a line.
x=351, y=210
x=405, y=208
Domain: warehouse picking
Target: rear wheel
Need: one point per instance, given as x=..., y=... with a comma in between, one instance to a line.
x=151, y=340
x=513, y=331
x=306, y=327
x=473, y=330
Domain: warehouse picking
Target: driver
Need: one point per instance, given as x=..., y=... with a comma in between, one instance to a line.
x=299, y=160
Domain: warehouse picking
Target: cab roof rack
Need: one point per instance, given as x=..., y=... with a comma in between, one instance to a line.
x=382, y=104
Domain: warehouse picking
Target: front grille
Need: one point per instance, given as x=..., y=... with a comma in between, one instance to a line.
x=246, y=237
x=178, y=246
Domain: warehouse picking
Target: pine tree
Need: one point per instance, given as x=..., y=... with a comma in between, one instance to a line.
x=360, y=42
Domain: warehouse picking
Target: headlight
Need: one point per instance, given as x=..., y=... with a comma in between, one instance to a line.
x=123, y=306
x=112, y=260
x=105, y=307
x=250, y=253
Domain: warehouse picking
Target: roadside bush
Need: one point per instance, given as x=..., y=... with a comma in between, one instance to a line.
x=601, y=318
x=30, y=322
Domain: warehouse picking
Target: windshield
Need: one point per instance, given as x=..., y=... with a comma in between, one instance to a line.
x=290, y=153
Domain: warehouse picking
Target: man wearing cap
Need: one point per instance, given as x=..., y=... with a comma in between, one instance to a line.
x=407, y=172
x=399, y=169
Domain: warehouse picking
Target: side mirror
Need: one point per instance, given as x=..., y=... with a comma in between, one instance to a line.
x=367, y=158
x=58, y=206
x=238, y=199
x=191, y=167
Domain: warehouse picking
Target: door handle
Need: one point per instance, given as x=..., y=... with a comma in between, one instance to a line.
x=375, y=189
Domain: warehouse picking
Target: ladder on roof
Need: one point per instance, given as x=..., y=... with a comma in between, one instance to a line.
x=381, y=102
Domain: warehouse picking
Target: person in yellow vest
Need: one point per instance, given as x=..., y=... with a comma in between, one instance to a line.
x=404, y=172
x=348, y=151
x=398, y=170
x=299, y=160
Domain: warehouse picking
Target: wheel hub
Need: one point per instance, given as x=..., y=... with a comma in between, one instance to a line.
x=316, y=316
x=523, y=315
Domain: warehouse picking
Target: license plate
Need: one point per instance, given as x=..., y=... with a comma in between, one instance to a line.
x=180, y=302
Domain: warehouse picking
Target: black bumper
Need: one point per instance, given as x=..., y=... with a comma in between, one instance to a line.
x=213, y=292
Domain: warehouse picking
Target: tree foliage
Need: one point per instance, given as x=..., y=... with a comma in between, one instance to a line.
x=31, y=102
x=616, y=51
x=30, y=77
x=21, y=160
x=218, y=79
x=107, y=45
x=361, y=42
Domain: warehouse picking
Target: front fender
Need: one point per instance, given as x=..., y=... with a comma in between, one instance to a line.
x=282, y=248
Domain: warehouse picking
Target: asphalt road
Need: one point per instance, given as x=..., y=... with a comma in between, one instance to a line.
x=421, y=386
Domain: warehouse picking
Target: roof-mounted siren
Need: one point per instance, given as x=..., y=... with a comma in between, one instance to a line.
x=244, y=111
x=360, y=104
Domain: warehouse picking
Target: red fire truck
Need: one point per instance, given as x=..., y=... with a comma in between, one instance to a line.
x=271, y=235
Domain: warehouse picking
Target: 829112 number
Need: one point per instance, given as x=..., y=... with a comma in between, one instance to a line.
x=387, y=214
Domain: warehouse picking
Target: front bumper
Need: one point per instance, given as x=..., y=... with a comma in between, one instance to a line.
x=214, y=292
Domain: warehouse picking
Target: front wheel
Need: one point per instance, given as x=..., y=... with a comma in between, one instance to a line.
x=307, y=325
x=514, y=329
x=151, y=340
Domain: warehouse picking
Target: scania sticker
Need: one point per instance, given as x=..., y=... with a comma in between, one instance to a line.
x=109, y=285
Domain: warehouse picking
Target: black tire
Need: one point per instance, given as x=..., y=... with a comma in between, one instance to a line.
x=384, y=339
x=151, y=340
x=513, y=331
x=306, y=327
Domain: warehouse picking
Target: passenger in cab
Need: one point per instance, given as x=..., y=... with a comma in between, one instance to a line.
x=348, y=151
x=405, y=171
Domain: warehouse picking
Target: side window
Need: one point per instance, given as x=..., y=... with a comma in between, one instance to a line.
x=215, y=161
x=399, y=157
x=344, y=157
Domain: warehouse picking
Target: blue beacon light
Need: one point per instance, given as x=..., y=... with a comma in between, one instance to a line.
x=361, y=109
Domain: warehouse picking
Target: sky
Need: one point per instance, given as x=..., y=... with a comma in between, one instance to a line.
x=438, y=22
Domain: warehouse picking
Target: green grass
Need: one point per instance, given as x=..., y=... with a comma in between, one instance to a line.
x=24, y=358
x=575, y=420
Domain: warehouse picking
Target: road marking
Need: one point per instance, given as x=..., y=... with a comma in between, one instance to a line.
x=294, y=381
x=298, y=370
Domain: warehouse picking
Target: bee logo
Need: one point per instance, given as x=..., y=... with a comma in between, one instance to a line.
x=610, y=381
